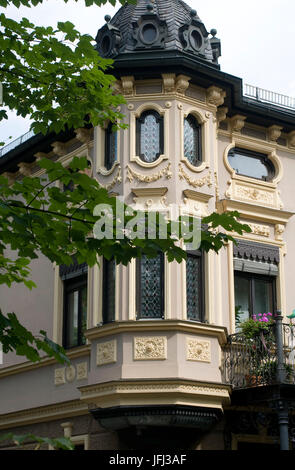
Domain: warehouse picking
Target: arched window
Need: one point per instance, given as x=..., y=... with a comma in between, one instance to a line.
x=110, y=147
x=253, y=164
x=150, y=287
x=192, y=140
x=149, y=136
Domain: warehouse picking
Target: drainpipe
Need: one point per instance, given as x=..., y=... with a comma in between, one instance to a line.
x=281, y=405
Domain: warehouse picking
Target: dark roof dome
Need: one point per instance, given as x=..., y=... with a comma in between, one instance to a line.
x=154, y=25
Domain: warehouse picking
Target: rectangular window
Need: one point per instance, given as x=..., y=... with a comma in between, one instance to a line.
x=194, y=286
x=75, y=311
x=150, y=287
x=109, y=290
x=253, y=294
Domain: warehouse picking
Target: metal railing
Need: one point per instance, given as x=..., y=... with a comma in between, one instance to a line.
x=268, y=358
x=15, y=143
x=267, y=96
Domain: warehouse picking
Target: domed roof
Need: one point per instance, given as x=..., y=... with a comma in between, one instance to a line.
x=157, y=24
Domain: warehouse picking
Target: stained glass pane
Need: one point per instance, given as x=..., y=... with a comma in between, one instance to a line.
x=150, y=138
x=191, y=141
x=72, y=319
x=109, y=284
x=83, y=294
x=151, y=292
x=194, y=287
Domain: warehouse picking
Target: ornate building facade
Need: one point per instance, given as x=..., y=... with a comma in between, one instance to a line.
x=148, y=343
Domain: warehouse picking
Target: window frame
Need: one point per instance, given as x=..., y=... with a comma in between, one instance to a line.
x=264, y=158
x=139, y=122
x=105, y=298
x=139, y=290
x=198, y=126
x=78, y=282
x=197, y=254
x=108, y=163
x=252, y=276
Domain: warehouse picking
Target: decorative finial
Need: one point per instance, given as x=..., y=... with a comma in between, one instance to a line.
x=150, y=7
x=193, y=13
x=213, y=32
x=107, y=18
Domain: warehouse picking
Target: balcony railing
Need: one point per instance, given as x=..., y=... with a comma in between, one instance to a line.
x=266, y=359
x=15, y=143
x=267, y=96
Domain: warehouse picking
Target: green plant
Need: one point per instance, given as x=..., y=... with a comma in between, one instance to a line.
x=252, y=327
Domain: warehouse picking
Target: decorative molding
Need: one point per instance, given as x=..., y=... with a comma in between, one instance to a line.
x=169, y=82
x=261, y=213
x=197, y=202
x=215, y=96
x=167, y=326
x=43, y=414
x=146, y=392
x=274, y=133
x=83, y=135
x=262, y=230
x=196, y=183
x=130, y=106
x=70, y=373
x=10, y=176
x=106, y=353
x=198, y=350
x=237, y=123
x=256, y=251
x=60, y=376
x=182, y=84
x=128, y=85
x=131, y=175
x=279, y=231
x=116, y=180
x=25, y=169
x=82, y=371
x=221, y=114
x=59, y=148
x=153, y=348
x=291, y=140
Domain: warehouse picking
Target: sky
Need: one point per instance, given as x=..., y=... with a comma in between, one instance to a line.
x=257, y=39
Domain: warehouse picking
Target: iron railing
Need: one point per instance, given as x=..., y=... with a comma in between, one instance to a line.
x=15, y=143
x=268, y=358
x=260, y=94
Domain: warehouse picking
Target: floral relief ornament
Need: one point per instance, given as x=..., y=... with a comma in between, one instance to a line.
x=197, y=350
x=131, y=175
x=196, y=183
x=150, y=348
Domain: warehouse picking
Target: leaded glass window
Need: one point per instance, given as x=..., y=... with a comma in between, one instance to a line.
x=111, y=137
x=149, y=136
x=75, y=311
x=253, y=164
x=150, y=287
x=109, y=289
x=192, y=140
x=194, y=286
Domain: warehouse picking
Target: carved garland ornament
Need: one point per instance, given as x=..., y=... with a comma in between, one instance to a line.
x=262, y=230
x=150, y=349
x=131, y=174
x=117, y=180
x=196, y=183
x=197, y=350
x=106, y=353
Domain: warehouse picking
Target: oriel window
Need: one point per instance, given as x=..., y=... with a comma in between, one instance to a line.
x=149, y=136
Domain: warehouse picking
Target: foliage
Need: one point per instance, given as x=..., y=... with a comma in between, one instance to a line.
x=57, y=443
x=252, y=327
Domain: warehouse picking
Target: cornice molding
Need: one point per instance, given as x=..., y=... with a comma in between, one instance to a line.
x=255, y=212
x=117, y=328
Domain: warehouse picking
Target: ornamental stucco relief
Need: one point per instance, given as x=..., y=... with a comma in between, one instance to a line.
x=106, y=353
x=59, y=376
x=195, y=183
x=150, y=348
x=149, y=178
x=198, y=350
